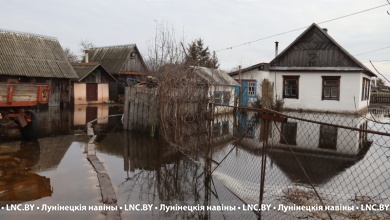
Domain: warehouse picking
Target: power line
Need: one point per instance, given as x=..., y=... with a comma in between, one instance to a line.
x=377, y=61
x=372, y=51
x=322, y=22
x=379, y=72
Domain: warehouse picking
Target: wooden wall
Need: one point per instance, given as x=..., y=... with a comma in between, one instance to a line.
x=140, y=110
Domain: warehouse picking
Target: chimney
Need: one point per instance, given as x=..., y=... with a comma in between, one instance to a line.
x=276, y=48
x=86, y=56
x=325, y=30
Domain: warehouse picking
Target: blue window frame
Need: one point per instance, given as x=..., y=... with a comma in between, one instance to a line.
x=252, y=89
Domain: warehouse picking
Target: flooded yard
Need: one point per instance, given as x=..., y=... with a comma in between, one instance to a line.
x=154, y=181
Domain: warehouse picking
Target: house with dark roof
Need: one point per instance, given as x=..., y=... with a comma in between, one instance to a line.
x=314, y=73
x=123, y=61
x=92, y=86
x=31, y=58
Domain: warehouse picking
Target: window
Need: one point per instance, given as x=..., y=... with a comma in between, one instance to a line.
x=251, y=89
x=331, y=88
x=328, y=137
x=217, y=129
x=366, y=89
x=226, y=98
x=217, y=97
x=363, y=135
x=291, y=87
x=289, y=133
x=225, y=127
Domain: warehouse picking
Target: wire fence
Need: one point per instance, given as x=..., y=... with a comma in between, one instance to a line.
x=304, y=165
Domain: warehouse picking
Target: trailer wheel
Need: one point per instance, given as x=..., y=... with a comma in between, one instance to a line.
x=31, y=130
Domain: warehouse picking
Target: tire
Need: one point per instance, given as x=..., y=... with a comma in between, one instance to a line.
x=31, y=130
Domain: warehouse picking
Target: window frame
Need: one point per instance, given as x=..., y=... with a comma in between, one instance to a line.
x=252, y=92
x=291, y=77
x=326, y=142
x=366, y=87
x=329, y=78
x=218, y=97
x=226, y=98
x=290, y=136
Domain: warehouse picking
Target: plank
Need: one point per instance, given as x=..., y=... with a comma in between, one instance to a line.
x=108, y=193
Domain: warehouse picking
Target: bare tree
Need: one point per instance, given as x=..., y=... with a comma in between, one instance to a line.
x=164, y=48
x=389, y=4
x=72, y=57
x=85, y=45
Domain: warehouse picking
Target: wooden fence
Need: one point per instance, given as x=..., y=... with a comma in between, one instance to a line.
x=140, y=110
x=380, y=97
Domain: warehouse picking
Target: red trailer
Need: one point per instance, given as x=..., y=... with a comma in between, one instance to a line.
x=16, y=100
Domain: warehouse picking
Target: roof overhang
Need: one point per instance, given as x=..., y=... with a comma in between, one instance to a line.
x=331, y=69
x=134, y=73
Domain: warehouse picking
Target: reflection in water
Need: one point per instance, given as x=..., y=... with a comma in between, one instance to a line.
x=55, y=121
x=147, y=171
x=20, y=163
x=157, y=174
x=17, y=183
x=320, y=168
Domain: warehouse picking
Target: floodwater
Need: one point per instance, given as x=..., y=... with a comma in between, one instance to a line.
x=148, y=176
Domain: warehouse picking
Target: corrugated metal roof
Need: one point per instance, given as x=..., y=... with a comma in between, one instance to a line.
x=83, y=69
x=216, y=77
x=111, y=58
x=24, y=54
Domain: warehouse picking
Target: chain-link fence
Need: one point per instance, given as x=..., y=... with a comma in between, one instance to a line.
x=292, y=165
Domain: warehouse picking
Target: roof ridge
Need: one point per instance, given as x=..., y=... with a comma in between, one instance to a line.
x=28, y=34
x=120, y=45
x=325, y=33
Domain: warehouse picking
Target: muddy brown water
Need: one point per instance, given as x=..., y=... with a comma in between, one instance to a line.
x=45, y=178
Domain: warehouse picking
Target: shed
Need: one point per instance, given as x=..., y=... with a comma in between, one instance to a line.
x=92, y=87
x=32, y=58
x=124, y=62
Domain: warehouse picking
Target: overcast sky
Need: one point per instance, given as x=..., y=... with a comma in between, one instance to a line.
x=220, y=23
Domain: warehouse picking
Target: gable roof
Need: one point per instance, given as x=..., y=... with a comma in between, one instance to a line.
x=259, y=66
x=113, y=58
x=30, y=55
x=215, y=76
x=84, y=69
x=315, y=50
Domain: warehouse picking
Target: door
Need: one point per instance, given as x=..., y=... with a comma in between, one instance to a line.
x=91, y=113
x=242, y=93
x=92, y=92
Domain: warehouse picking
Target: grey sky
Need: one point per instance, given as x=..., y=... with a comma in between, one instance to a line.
x=220, y=23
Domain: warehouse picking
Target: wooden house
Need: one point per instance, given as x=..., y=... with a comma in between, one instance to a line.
x=221, y=87
x=314, y=73
x=92, y=87
x=124, y=62
x=31, y=58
